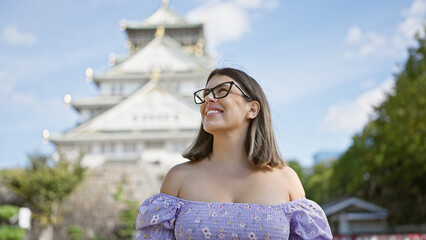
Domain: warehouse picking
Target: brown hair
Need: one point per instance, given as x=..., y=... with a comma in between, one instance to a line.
x=260, y=143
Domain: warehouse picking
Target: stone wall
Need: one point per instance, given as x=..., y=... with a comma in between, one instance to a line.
x=7, y=196
x=93, y=206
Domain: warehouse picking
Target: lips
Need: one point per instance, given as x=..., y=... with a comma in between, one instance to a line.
x=211, y=110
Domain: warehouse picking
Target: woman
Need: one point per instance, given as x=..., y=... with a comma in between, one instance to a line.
x=236, y=185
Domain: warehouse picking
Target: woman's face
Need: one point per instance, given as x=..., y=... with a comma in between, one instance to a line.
x=224, y=114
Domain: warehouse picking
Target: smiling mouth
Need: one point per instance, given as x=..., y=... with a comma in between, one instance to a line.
x=212, y=112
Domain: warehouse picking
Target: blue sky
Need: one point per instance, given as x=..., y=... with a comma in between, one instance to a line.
x=322, y=63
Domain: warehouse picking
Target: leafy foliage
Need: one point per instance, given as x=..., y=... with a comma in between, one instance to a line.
x=8, y=211
x=75, y=233
x=11, y=233
x=386, y=163
x=316, y=183
x=398, y=149
x=128, y=215
x=45, y=184
x=99, y=238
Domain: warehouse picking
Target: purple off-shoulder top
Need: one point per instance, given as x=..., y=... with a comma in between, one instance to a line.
x=167, y=217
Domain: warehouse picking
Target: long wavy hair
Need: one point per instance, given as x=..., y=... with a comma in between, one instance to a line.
x=260, y=144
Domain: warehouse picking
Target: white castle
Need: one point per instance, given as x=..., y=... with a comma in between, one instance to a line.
x=144, y=112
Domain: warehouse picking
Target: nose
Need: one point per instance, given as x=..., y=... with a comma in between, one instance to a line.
x=210, y=97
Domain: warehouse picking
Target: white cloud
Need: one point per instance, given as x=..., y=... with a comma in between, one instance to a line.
x=354, y=35
x=418, y=8
x=414, y=20
x=271, y=4
x=410, y=27
x=223, y=21
x=364, y=44
x=303, y=77
x=374, y=41
x=351, y=116
x=248, y=3
x=14, y=36
x=227, y=20
x=369, y=43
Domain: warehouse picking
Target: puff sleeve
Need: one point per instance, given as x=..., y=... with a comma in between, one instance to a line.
x=156, y=218
x=308, y=221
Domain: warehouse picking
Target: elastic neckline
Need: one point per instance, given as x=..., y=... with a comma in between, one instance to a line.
x=303, y=199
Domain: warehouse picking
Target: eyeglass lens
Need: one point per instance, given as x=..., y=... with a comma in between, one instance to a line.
x=219, y=91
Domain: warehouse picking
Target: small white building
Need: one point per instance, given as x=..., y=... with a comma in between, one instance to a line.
x=144, y=112
x=351, y=215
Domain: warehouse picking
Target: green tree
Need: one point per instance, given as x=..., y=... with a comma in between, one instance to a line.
x=351, y=170
x=386, y=163
x=44, y=185
x=317, y=182
x=128, y=215
x=295, y=165
x=9, y=232
x=128, y=218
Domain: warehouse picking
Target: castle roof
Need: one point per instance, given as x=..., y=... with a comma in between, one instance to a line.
x=163, y=53
x=164, y=16
x=149, y=113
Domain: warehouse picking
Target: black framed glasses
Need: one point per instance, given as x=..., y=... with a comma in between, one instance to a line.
x=220, y=91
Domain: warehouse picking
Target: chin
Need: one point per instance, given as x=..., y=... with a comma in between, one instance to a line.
x=210, y=128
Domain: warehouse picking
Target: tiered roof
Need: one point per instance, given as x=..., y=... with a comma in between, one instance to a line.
x=154, y=111
x=94, y=102
x=189, y=35
x=151, y=112
x=164, y=16
x=163, y=54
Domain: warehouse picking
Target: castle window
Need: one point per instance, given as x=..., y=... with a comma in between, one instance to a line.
x=155, y=145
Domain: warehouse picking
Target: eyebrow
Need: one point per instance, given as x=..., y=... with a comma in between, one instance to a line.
x=219, y=84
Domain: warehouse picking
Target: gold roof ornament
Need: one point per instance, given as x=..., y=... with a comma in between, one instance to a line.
x=199, y=52
x=89, y=74
x=111, y=59
x=132, y=48
x=123, y=25
x=199, y=48
x=165, y=3
x=155, y=75
x=46, y=135
x=67, y=99
x=160, y=31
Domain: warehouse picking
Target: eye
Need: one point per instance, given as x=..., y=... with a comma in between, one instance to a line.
x=205, y=92
x=221, y=89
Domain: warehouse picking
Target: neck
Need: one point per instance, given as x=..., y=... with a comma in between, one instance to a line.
x=229, y=149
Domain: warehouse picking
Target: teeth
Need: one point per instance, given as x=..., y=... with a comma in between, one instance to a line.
x=212, y=111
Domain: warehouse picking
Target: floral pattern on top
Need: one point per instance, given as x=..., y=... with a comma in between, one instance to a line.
x=167, y=217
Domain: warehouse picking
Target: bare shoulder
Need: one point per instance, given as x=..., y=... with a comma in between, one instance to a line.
x=295, y=187
x=173, y=180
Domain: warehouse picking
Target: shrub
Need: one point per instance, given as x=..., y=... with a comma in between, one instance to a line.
x=11, y=233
